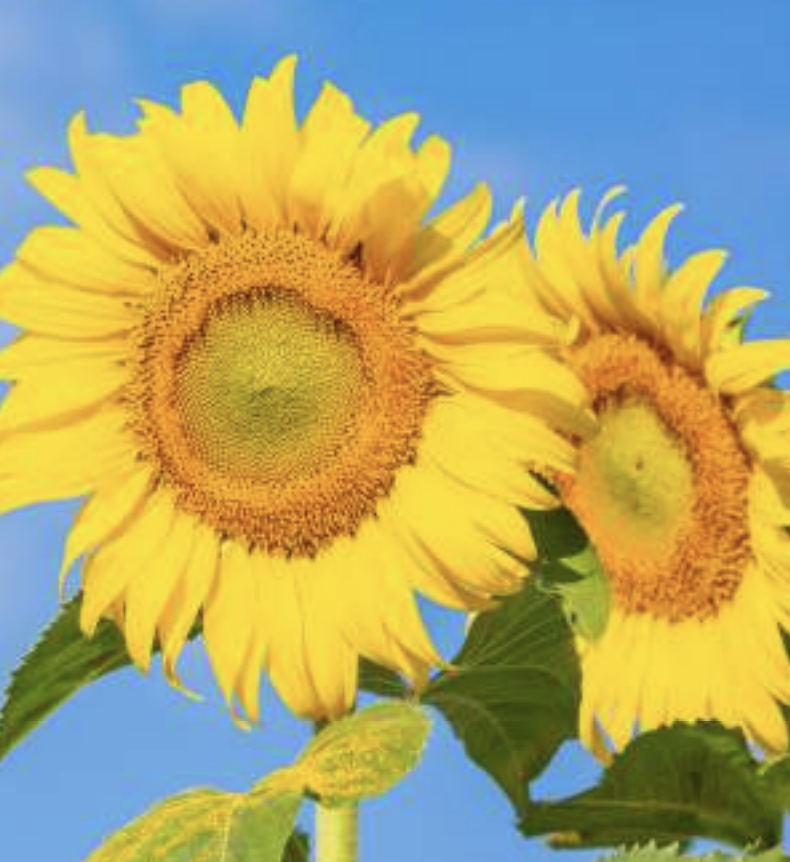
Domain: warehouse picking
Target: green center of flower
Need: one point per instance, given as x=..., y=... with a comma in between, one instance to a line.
x=270, y=389
x=662, y=488
x=641, y=477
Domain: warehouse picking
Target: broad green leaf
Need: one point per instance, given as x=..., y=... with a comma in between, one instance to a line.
x=365, y=754
x=653, y=853
x=59, y=665
x=670, y=785
x=512, y=695
x=207, y=825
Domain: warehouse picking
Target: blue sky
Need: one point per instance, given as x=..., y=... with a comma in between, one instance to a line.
x=678, y=100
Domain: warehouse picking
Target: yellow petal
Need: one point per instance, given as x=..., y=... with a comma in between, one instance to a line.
x=680, y=306
x=688, y=697
x=627, y=648
x=616, y=267
x=95, y=188
x=333, y=663
x=725, y=312
x=476, y=278
x=229, y=615
x=454, y=230
x=31, y=353
x=143, y=183
x=117, y=564
x=53, y=395
x=758, y=712
x=268, y=146
x=287, y=659
x=361, y=587
x=62, y=462
x=389, y=242
x=433, y=164
x=432, y=579
x=205, y=134
x=594, y=686
x=722, y=696
x=649, y=264
x=471, y=456
x=384, y=161
x=179, y=614
x=555, y=230
x=65, y=191
x=149, y=592
x=747, y=365
x=330, y=138
x=458, y=528
x=70, y=255
x=248, y=682
x=760, y=640
x=659, y=672
x=529, y=383
x=108, y=511
x=50, y=308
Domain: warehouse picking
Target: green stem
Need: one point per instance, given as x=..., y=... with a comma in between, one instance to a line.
x=337, y=833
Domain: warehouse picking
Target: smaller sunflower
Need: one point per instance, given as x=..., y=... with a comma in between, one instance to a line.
x=683, y=485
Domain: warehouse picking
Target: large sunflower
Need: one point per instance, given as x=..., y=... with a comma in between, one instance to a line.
x=284, y=395
x=683, y=488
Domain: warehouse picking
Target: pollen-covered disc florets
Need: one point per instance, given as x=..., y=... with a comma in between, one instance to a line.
x=662, y=488
x=278, y=389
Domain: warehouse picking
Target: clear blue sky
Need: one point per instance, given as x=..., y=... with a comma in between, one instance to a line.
x=679, y=100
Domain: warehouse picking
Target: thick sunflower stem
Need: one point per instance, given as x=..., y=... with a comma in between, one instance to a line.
x=337, y=833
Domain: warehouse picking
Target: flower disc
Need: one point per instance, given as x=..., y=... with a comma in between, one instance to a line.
x=290, y=401
x=278, y=390
x=662, y=487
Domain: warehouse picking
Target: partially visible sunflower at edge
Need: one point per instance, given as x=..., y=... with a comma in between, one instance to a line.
x=683, y=486
x=289, y=400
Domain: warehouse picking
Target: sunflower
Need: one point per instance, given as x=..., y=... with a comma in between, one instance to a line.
x=683, y=487
x=284, y=393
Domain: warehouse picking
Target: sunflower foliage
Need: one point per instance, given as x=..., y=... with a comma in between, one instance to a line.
x=353, y=759
x=669, y=785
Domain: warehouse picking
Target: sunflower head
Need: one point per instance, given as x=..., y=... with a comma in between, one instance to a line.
x=290, y=400
x=681, y=485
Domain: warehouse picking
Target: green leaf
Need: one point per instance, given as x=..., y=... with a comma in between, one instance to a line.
x=365, y=754
x=298, y=847
x=670, y=785
x=380, y=680
x=207, y=825
x=556, y=532
x=777, y=777
x=652, y=853
x=59, y=665
x=583, y=589
x=512, y=695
